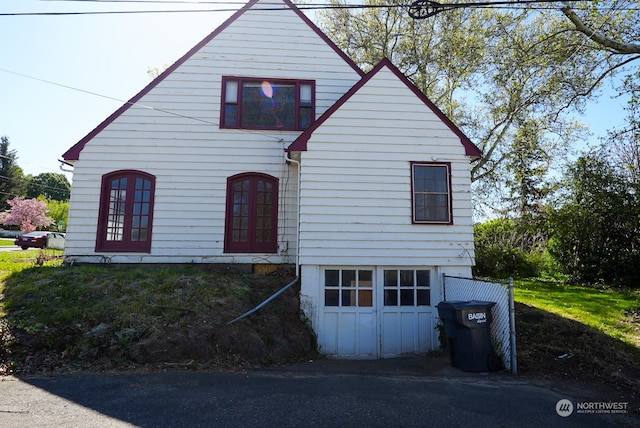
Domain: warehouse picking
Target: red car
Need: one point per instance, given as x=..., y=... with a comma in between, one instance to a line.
x=36, y=239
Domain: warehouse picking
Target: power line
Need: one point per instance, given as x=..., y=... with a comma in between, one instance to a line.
x=512, y=5
x=108, y=97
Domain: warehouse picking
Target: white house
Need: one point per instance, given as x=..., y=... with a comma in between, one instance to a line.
x=295, y=157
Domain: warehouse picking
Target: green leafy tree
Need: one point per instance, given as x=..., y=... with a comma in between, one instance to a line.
x=623, y=144
x=59, y=213
x=53, y=186
x=527, y=169
x=494, y=72
x=596, y=231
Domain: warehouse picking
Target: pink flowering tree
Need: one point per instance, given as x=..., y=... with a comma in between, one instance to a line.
x=26, y=213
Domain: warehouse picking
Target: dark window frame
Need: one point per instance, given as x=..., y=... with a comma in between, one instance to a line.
x=349, y=288
x=415, y=192
x=407, y=287
x=127, y=243
x=236, y=123
x=251, y=245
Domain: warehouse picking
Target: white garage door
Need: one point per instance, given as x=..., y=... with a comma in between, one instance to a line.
x=376, y=312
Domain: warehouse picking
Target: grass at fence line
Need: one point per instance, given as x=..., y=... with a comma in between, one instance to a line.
x=612, y=312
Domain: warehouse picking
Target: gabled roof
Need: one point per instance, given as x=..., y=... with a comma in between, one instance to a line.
x=300, y=143
x=74, y=152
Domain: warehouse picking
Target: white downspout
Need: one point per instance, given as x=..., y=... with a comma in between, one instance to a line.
x=289, y=159
x=297, y=278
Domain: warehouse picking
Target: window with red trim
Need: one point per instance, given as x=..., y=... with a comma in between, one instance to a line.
x=125, y=216
x=431, y=195
x=252, y=214
x=267, y=103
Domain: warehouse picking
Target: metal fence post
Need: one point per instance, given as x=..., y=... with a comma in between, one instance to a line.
x=512, y=329
x=444, y=287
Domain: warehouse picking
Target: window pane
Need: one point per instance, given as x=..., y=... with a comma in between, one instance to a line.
x=331, y=298
x=391, y=297
x=348, y=298
x=231, y=115
x=332, y=278
x=231, y=92
x=437, y=207
x=365, y=278
x=116, y=214
x=423, y=278
x=406, y=278
x=305, y=117
x=390, y=278
x=365, y=298
x=268, y=105
x=431, y=193
x=348, y=278
x=440, y=184
x=305, y=95
x=423, y=298
x=406, y=297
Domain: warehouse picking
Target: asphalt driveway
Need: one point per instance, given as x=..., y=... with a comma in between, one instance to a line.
x=314, y=394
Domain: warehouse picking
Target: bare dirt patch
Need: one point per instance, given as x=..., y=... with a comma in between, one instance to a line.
x=175, y=336
x=563, y=351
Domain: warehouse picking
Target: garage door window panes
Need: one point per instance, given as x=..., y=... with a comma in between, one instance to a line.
x=348, y=287
x=406, y=287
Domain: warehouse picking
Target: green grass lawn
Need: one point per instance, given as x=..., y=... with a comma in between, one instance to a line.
x=609, y=311
x=12, y=262
x=612, y=312
x=6, y=242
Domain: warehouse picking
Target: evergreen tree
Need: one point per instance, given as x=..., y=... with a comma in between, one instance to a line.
x=12, y=181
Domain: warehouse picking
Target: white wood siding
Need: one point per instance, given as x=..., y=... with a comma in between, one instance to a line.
x=173, y=133
x=356, y=183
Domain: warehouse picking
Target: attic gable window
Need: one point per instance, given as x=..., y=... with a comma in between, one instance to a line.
x=431, y=193
x=249, y=103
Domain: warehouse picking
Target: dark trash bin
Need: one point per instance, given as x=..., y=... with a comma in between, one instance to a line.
x=467, y=326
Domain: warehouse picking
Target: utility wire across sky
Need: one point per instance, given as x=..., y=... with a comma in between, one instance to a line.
x=419, y=9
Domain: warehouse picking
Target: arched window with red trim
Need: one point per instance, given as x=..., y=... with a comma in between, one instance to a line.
x=251, y=223
x=125, y=216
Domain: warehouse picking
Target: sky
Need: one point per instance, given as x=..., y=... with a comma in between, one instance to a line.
x=61, y=76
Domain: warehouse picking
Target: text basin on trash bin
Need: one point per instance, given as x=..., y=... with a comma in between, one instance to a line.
x=470, y=313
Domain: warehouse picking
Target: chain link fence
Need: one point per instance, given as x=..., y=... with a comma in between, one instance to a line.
x=502, y=313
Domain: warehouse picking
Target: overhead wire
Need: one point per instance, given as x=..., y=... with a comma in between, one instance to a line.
x=311, y=6
x=137, y=104
x=262, y=8
x=499, y=4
